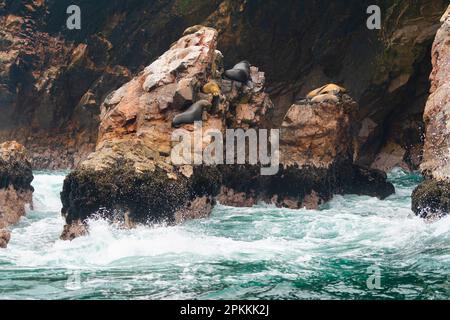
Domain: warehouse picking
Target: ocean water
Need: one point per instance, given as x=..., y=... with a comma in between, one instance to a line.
x=353, y=248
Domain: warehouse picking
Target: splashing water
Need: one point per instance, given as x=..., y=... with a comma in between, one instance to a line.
x=239, y=253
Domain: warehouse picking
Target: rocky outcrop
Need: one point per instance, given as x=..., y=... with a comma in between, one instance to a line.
x=15, y=187
x=386, y=70
x=317, y=142
x=432, y=198
x=53, y=80
x=132, y=177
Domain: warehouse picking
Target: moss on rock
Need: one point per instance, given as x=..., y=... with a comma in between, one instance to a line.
x=431, y=199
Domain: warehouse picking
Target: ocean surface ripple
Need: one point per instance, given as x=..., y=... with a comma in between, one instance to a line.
x=239, y=253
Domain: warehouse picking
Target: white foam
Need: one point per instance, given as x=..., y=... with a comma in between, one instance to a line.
x=361, y=228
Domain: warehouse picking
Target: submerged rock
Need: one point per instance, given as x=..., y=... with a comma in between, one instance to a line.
x=15, y=186
x=432, y=197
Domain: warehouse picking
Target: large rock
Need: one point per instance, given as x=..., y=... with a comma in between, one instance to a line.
x=131, y=178
x=15, y=186
x=316, y=153
x=53, y=80
x=432, y=197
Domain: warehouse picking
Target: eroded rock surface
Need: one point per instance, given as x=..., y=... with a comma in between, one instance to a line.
x=316, y=152
x=15, y=187
x=53, y=80
x=130, y=177
x=432, y=198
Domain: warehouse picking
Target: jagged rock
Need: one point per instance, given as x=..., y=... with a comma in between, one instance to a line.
x=15, y=186
x=130, y=177
x=431, y=198
x=317, y=134
x=391, y=155
x=316, y=150
x=53, y=80
x=130, y=174
x=5, y=236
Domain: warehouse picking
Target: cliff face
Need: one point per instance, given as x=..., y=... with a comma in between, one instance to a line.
x=15, y=186
x=432, y=198
x=53, y=80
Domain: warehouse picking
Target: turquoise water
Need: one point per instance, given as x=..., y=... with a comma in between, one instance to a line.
x=249, y=253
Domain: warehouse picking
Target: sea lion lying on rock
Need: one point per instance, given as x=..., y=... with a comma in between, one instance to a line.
x=331, y=89
x=194, y=113
x=240, y=72
x=325, y=97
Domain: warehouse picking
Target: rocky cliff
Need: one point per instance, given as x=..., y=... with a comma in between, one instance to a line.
x=15, y=187
x=132, y=176
x=53, y=80
x=432, y=198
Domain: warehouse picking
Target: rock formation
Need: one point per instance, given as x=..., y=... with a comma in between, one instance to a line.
x=316, y=152
x=15, y=186
x=432, y=198
x=53, y=80
x=131, y=178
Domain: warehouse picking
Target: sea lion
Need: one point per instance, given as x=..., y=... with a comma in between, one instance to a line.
x=325, y=97
x=327, y=89
x=211, y=88
x=194, y=113
x=240, y=72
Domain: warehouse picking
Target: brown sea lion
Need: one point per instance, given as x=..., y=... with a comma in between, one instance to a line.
x=325, y=97
x=327, y=89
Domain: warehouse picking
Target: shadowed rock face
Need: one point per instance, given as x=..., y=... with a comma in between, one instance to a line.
x=53, y=80
x=15, y=186
x=432, y=198
x=130, y=177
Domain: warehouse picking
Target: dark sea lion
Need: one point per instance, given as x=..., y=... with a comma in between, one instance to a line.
x=194, y=113
x=243, y=65
x=236, y=75
x=240, y=72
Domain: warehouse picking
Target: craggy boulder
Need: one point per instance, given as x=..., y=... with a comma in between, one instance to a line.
x=432, y=198
x=130, y=177
x=15, y=187
x=316, y=151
